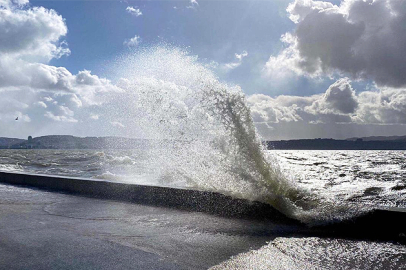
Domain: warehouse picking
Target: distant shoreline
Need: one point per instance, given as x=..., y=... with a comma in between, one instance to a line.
x=72, y=142
x=331, y=144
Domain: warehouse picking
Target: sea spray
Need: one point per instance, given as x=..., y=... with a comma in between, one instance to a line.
x=203, y=134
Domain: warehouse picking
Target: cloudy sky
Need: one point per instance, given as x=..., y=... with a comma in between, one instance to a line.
x=309, y=69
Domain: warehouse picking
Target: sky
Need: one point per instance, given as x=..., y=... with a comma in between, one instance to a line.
x=309, y=69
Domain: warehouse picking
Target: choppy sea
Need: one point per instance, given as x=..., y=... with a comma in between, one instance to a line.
x=368, y=177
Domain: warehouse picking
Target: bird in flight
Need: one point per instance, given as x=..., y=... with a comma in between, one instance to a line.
x=17, y=118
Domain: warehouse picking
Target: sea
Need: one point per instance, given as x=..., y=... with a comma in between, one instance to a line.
x=366, y=177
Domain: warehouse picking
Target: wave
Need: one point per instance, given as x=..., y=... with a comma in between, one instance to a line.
x=204, y=134
x=107, y=176
x=11, y=168
x=119, y=160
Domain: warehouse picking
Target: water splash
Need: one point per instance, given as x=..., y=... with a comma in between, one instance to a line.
x=203, y=133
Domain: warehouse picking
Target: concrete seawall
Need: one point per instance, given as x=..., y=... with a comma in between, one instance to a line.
x=186, y=199
x=380, y=224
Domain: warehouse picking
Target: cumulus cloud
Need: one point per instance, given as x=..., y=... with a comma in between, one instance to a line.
x=134, y=11
x=32, y=34
x=363, y=39
x=387, y=106
x=339, y=98
x=339, y=104
x=29, y=38
x=31, y=88
x=265, y=109
x=287, y=62
x=132, y=42
x=19, y=74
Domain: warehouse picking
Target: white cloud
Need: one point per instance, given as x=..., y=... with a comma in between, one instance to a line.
x=11, y=3
x=193, y=4
x=233, y=65
x=60, y=118
x=134, y=11
x=94, y=116
x=132, y=42
x=66, y=111
x=117, y=124
x=299, y=9
x=32, y=34
x=30, y=37
x=64, y=115
x=75, y=100
x=286, y=63
x=42, y=104
x=265, y=109
x=19, y=74
x=363, y=39
x=387, y=106
x=339, y=99
x=11, y=116
x=10, y=104
x=241, y=56
x=339, y=104
x=23, y=117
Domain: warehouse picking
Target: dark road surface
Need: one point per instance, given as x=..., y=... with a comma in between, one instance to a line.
x=47, y=230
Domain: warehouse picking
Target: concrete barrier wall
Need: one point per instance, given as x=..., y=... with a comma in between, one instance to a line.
x=193, y=200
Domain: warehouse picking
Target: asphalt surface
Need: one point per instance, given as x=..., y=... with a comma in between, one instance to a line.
x=50, y=230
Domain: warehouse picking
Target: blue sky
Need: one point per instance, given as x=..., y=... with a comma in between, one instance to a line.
x=214, y=31
x=308, y=68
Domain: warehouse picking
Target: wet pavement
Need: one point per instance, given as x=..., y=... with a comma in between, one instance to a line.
x=147, y=227
x=49, y=230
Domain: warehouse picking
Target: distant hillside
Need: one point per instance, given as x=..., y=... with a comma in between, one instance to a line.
x=72, y=142
x=380, y=138
x=8, y=142
x=331, y=144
